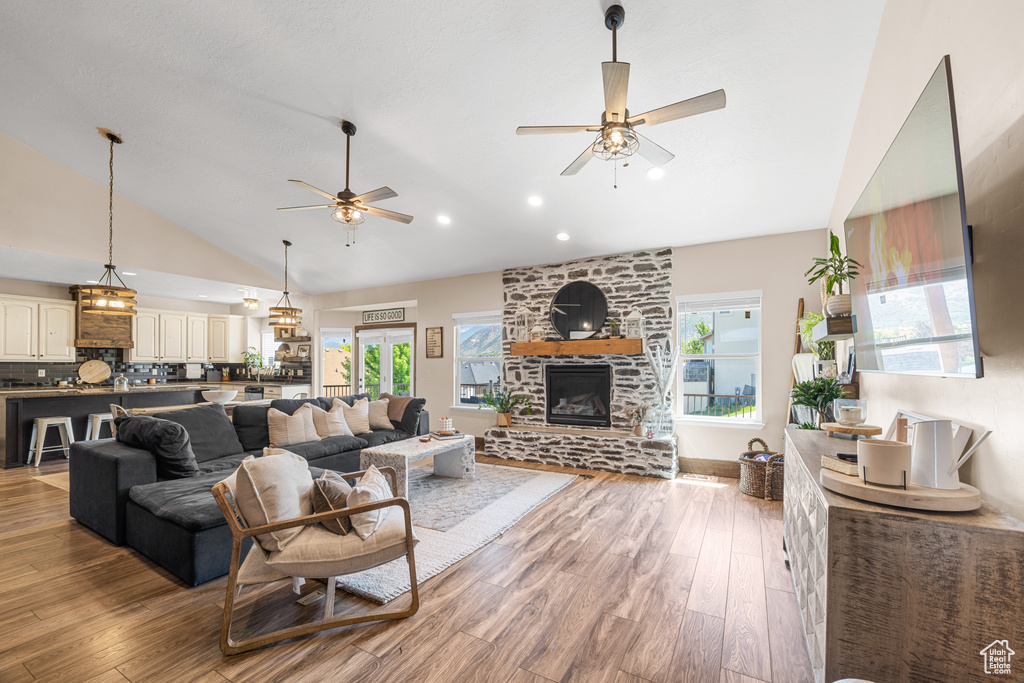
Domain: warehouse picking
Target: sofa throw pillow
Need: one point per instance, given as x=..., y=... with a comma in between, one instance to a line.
x=378, y=414
x=330, y=494
x=251, y=426
x=331, y=422
x=285, y=430
x=396, y=406
x=274, y=488
x=209, y=430
x=167, y=441
x=407, y=409
x=372, y=486
x=357, y=416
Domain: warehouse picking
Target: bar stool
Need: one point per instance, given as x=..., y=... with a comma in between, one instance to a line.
x=94, y=427
x=39, y=427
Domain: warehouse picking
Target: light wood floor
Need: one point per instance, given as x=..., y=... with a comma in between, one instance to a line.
x=618, y=579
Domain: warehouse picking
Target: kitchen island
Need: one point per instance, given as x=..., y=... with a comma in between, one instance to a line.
x=22, y=406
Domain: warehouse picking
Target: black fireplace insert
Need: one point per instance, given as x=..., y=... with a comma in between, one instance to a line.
x=579, y=395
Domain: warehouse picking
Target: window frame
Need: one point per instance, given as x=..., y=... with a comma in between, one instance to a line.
x=462, y=320
x=714, y=301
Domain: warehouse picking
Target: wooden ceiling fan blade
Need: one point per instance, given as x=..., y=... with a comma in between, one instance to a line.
x=375, y=195
x=691, y=107
x=653, y=152
x=550, y=130
x=581, y=161
x=300, y=208
x=616, y=82
x=384, y=213
x=309, y=187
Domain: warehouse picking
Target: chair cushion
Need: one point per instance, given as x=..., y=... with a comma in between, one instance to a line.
x=274, y=488
x=381, y=437
x=327, y=402
x=288, y=406
x=287, y=429
x=209, y=429
x=316, y=552
x=332, y=445
x=185, y=502
x=251, y=426
x=330, y=422
x=167, y=441
x=226, y=464
x=330, y=494
x=357, y=416
x=371, y=487
x=378, y=414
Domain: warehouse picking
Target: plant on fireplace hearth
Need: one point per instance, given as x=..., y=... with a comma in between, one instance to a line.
x=503, y=401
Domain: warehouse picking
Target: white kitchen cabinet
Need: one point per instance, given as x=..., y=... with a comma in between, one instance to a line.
x=219, y=336
x=57, y=332
x=18, y=338
x=196, y=326
x=173, y=338
x=236, y=339
x=146, y=335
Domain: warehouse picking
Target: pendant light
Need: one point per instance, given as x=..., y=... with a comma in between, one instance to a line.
x=250, y=299
x=284, y=316
x=105, y=297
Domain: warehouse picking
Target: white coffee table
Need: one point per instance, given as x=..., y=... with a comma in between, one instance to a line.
x=454, y=458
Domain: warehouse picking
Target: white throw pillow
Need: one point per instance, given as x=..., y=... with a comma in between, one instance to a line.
x=286, y=430
x=330, y=422
x=372, y=486
x=274, y=488
x=379, y=419
x=357, y=416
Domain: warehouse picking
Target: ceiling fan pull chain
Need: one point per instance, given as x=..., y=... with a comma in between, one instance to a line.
x=615, y=177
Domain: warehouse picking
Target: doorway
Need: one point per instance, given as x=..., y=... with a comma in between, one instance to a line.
x=386, y=360
x=336, y=361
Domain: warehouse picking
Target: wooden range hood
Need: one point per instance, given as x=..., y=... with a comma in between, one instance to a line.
x=99, y=331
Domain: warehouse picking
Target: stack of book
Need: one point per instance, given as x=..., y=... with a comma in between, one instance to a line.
x=831, y=462
x=446, y=435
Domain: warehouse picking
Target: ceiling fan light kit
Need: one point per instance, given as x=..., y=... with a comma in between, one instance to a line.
x=348, y=208
x=617, y=138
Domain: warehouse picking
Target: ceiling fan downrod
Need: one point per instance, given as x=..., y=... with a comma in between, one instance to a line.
x=614, y=17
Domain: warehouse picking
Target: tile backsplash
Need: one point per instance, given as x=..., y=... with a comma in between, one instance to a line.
x=20, y=374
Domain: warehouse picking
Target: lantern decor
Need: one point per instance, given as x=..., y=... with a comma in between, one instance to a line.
x=634, y=326
x=109, y=295
x=284, y=317
x=523, y=323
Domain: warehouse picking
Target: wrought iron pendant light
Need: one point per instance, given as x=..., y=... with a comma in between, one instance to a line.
x=284, y=316
x=106, y=297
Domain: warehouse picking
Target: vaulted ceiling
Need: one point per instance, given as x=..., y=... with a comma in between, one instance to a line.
x=221, y=102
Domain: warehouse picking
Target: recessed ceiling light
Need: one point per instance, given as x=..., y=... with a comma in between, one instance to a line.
x=202, y=296
x=563, y=236
x=534, y=200
x=127, y=273
x=92, y=282
x=655, y=173
x=444, y=220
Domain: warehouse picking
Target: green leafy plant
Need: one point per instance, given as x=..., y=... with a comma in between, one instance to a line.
x=835, y=269
x=252, y=358
x=818, y=394
x=825, y=350
x=697, y=345
x=806, y=425
x=614, y=327
x=503, y=401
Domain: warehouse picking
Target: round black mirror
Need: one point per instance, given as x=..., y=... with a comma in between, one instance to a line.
x=579, y=310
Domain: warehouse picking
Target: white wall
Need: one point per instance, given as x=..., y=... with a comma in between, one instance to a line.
x=986, y=51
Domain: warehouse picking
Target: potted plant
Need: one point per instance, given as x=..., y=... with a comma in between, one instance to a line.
x=825, y=351
x=818, y=394
x=637, y=415
x=503, y=401
x=832, y=271
x=253, y=359
x=615, y=331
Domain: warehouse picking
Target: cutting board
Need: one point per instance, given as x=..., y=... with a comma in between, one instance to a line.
x=93, y=372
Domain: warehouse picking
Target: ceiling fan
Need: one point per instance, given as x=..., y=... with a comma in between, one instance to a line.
x=617, y=138
x=348, y=207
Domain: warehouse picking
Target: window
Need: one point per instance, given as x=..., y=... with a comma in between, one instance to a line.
x=336, y=361
x=719, y=376
x=477, y=356
x=386, y=361
x=269, y=349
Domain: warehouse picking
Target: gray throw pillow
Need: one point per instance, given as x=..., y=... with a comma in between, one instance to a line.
x=209, y=429
x=330, y=494
x=167, y=441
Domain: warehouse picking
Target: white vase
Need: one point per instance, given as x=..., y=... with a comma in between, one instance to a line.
x=839, y=305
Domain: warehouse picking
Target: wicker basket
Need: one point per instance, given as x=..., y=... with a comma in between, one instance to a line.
x=761, y=478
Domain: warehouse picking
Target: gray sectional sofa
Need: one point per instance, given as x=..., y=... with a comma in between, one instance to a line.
x=117, y=492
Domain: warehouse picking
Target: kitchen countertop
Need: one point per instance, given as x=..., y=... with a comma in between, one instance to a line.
x=43, y=392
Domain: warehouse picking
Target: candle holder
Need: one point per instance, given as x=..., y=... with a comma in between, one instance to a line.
x=850, y=412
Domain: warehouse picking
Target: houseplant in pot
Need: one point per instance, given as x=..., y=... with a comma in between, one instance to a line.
x=832, y=271
x=818, y=394
x=825, y=351
x=253, y=360
x=503, y=401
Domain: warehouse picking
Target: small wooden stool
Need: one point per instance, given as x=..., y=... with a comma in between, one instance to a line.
x=39, y=427
x=95, y=425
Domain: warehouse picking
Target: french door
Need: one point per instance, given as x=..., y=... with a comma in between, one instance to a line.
x=386, y=358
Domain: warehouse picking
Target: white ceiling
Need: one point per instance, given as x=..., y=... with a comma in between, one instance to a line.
x=221, y=102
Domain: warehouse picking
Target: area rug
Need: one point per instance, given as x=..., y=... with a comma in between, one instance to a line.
x=61, y=480
x=454, y=517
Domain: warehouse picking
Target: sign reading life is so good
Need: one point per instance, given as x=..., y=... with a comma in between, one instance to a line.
x=385, y=315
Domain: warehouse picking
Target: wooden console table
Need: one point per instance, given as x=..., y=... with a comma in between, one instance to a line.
x=888, y=594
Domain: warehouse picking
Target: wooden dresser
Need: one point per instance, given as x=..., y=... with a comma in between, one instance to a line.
x=888, y=594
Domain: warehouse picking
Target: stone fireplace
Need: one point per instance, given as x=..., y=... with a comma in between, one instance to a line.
x=578, y=395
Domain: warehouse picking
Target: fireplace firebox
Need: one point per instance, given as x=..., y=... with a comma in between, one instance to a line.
x=579, y=395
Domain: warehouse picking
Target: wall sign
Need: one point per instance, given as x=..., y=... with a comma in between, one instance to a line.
x=435, y=342
x=386, y=315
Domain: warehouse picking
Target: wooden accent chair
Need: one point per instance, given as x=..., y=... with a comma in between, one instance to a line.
x=352, y=554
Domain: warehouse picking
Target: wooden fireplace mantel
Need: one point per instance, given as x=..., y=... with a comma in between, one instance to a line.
x=579, y=347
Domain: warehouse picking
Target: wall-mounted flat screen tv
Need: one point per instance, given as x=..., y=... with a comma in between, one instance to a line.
x=914, y=297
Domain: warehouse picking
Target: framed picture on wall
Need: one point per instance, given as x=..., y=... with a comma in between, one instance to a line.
x=434, y=342
x=304, y=350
